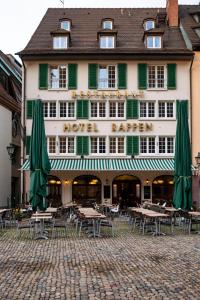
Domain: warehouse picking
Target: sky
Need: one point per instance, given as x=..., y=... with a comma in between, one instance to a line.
x=20, y=18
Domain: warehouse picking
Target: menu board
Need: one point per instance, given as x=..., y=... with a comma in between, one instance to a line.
x=147, y=192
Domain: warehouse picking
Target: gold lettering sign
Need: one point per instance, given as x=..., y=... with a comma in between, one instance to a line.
x=102, y=94
x=127, y=127
x=83, y=127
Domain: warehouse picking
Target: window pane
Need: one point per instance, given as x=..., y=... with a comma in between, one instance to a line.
x=157, y=40
x=151, y=109
x=120, y=109
x=170, y=145
x=152, y=148
x=103, y=42
x=54, y=77
x=102, y=109
x=52, y=109
x=161, y=109
x=94, y=109
x=62, y=76
x=152, y=76
x=107, y=25
x=143, y=145
x=113, y=109
x=107, y=42
x=149, y=25
x=62, y=145
x=70, y=145
x=60, y=42
x=110, y=42
x=71, y=109
x=93, y=145
x=162, y=145
x=170, y=109
x=112, y=145
x=160, y=77
x=102, y=145
x=63, y=109
x=103, y=77
x=149, y=42
x=45, y=109
x=65, y=25
x=120, y=145
x=111, y=77
x=143, y=109
x=52, y=145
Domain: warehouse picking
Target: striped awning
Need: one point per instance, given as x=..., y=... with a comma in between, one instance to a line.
x=112, y=164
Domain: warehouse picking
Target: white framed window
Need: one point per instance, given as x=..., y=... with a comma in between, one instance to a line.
x=116, y=109
x=107, y=77
x=66, y=109
x=154, y=42
x=51, y=144
x=108, y=24
x=97, y=109
x=60, y=42
x=166, y=145
x=66, y=145
x=147, y=109
x=156, y=77
x=116, y=145
x=49, y=109
x=149, y=24
x=98, y=145
x=58, y=77
x=147, y=145
x=166, y=109
x=107, y=42
x=65, y=24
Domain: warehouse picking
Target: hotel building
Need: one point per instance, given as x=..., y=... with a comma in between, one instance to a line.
x=110, y=81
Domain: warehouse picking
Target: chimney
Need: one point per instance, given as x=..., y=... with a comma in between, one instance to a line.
x=172, y=13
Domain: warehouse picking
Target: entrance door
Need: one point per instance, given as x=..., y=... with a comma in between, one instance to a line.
x=86, y=190
x=126, y=191
x=54, y=191
x=162, y=190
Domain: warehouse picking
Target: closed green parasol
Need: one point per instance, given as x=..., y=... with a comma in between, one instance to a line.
x=182, y=161
x=39, y=160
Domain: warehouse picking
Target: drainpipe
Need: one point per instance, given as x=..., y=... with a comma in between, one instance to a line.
x=191, y=100
x=24, y=133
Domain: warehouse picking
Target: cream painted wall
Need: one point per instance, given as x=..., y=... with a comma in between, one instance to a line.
x=5, y=163
x=196, y=106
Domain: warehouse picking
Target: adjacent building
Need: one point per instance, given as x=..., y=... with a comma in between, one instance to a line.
x=190, y=27
x=10, y=114
x=110, y=81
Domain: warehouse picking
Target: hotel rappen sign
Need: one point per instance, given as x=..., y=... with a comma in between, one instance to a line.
x=115, y=127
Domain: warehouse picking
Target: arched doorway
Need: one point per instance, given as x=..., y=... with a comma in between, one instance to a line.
x=162, y=189
x=126, y=190
x=54, y=191
x=86, y=190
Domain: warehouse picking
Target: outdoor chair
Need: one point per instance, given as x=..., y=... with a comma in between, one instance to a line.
x=58, y=224
x=184, y=221
x=25, y=224
x=114, y=212
x=107, y=224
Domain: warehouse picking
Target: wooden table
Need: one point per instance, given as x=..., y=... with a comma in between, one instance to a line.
x=88, y=213
x=51, y=210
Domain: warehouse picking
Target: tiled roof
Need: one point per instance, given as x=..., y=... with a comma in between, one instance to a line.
x=86, y=22
x=188, y=23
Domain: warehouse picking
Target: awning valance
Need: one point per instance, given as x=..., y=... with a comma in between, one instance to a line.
x=113, y=164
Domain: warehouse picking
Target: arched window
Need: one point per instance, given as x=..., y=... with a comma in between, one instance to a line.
x=162, y=189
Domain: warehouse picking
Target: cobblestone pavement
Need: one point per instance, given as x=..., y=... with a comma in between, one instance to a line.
x=128, y=266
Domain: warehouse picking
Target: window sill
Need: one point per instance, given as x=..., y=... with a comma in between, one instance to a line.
x=59, y=119
x=107, y=89
x=157, y=89
x=156, y=119
x=58, y=89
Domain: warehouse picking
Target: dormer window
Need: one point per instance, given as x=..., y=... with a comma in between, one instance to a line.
x=65, y=24
x=107, y=42
x=108, y=24
x=196, y=18
x=153, y=42
x=60, y=42
x=197, y=30
x=149, y=24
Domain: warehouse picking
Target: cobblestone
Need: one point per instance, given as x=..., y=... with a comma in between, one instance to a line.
x=128, y=266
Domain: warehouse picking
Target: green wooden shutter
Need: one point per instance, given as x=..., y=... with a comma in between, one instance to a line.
x=171, y=76
x=92, y=76
x=142, y=76
x=132, y=109
x=82, y=109
x=177, y=106
x=29, y=108
x=132, y=145
x=82, y=145
x=122, y=76
x=72, y=76
x=43, y=76
x=28, y=141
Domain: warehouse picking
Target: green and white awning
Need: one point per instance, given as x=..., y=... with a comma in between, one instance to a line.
x=99, y=164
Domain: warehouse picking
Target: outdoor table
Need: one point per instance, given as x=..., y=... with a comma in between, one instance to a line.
x=41, y=217
x=51, y=210
x=91, y=214
x=157, y=216
x=194, y=215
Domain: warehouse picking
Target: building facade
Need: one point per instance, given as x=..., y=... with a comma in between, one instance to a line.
x=10, y=110
x=110, y=81
x=190, y=27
